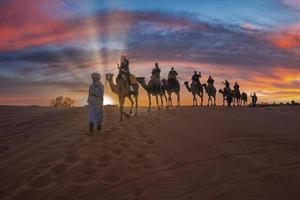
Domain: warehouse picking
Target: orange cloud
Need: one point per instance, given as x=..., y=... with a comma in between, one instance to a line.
x=287, y=37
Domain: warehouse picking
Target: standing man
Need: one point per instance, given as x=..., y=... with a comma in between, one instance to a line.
x=254, y=99
x=95, y=101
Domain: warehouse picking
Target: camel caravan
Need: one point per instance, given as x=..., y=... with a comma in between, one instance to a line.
x=127, y=85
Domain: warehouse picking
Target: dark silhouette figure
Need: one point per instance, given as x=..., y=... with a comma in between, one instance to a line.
x=172, y=78
x=155, y=81
x=196, y=79
x=210, y=80
x=236, y=94
x=254, y=99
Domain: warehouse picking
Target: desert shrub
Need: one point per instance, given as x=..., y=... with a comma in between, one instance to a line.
x=62, y=102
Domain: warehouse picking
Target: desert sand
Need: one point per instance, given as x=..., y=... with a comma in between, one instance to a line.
x=183, y=153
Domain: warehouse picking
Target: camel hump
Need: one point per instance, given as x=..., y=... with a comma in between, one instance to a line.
x=133, y=79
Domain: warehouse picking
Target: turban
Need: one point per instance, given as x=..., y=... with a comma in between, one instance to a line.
x=96, y=76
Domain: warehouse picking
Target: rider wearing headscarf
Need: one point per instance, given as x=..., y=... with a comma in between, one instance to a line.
x=236, y=86
x=124, y=68
x=196, y=78
x=172, y=77
x=210, y=80
x=156, y=71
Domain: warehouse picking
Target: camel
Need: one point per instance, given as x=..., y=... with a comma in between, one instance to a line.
x=229, y=98
x=170, y=90
x=244, y=98
x=195, y=91
x=211, y=91
x=151, y=91
x=122, y=90
x=236, y=97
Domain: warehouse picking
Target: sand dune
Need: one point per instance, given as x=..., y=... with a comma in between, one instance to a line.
x=183, y=153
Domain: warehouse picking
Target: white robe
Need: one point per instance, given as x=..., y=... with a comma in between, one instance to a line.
x=95, y=101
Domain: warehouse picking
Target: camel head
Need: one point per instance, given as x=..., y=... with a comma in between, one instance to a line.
x=186, y=83
x=204, y=85
x=109, y=76
x=221, y=91
x=140, y=79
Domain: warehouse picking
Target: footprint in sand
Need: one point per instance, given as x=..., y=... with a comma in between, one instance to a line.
x=135, y=161
x=110, y=178
x=89, y=171
x=150, y=142
x=117, y=151
x=41, y=181
x=59, y=168
x=125, y=145
x=71, y=159
x=104, y=160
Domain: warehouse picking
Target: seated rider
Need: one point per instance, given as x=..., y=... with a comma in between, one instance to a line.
x=172, y=77
x=196, y=79
x=156, y=72
x=227, y=89
x=236, y=86
x=155, y=77
x=210, y=81
x=124, y=69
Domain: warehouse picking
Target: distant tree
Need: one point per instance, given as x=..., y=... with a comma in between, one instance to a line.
x=62, y=102
x=288, y=103
x=293, y=102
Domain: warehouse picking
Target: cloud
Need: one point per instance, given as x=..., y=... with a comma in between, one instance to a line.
x=58, y=53
x=292, y=3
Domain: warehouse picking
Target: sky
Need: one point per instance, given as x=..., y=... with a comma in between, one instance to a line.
x=49, y=48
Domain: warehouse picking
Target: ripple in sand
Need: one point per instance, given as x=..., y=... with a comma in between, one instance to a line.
x=117, y=151
x=59, y=168
x=110, y=178
x=41, y=181
x=71, y=159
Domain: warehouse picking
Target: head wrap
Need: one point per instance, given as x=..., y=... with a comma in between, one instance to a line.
x=96, y=76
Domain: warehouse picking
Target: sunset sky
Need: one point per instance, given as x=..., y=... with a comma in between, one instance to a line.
x=50, y=47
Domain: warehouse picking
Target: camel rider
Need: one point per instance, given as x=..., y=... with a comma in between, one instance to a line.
x=172, y=77
x=155, y=77
x=156, y=72
x=196, y=79
x=227, y=89
x=254, y=99
x=236, y=86
x=124, y=69
x=227, y=84
x=210, y=81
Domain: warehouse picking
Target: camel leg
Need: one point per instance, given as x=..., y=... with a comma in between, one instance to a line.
x=201, y=98
x=149, y=97
x=132, y=102
x=214, y=100
x=170, y=100
x=196, y=101
x=136, y=104
x=121, y=106
x=166, y=100
x=157, y=103
x=178, y=99
x=161, y=101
